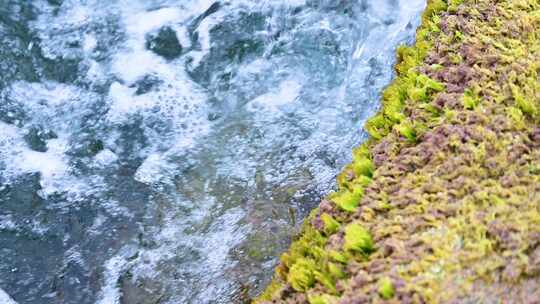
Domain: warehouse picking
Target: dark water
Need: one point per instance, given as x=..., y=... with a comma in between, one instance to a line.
x=165, y=151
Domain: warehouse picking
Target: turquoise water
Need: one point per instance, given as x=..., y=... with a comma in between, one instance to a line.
x=165, y=151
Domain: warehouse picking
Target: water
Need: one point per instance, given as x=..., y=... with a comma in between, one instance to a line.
x=165, y=151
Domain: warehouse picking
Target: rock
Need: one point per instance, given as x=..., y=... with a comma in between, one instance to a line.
x=164, y=43
x=36, y=138
x=146, y=84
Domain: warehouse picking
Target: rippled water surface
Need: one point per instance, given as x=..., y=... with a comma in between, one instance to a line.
x=156, y=151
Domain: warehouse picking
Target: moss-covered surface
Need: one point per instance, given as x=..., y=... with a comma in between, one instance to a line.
x=442, y=203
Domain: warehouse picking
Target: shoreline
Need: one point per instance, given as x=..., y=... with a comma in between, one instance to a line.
x=442, y=202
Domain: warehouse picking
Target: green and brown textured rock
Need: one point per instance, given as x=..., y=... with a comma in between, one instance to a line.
x=442, y=203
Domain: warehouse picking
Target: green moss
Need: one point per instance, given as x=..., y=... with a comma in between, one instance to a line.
x=338, y=256
x=361, y=181
x=534, y=169
x=302, y=274
x=526, y=105
x=430, y=108
x=322, y=299
x=430, y=84
x=394, y=104
x=437, y=67
x=361, y=152
x=421, y=87
x=434, y=7
x=377, y=127
x=406, y=129
x=407, y=59
x=470, y=101
x=450, y=115
x=336, y=270
x=358, y=239
x=325, y=279
x=517, y=117
x=418, y=94
x=331, y=226
x=386, y=288
x=458, y=36
x=348, y=200
x=363, y=167
x=309, y=245
x=453, y=5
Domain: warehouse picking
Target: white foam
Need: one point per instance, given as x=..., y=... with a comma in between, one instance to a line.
x=5, y=298
x=89, y=43
x=133, y=65
x=124, y=102
x=183, y=35
x=44, y=96
x=287, y=92
x=295, y=3
x=52, y=165
x=105, y=158
x=152, y=169
x=136, y=61
x=204, y=33
x=60, y=108
x=110, y=293
x=212, y=249
x=141, y=23
x=97, y=225
x=7, y=223
x=383, y=39
x=224, y=234
x=80, y=14
x=177, y=100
